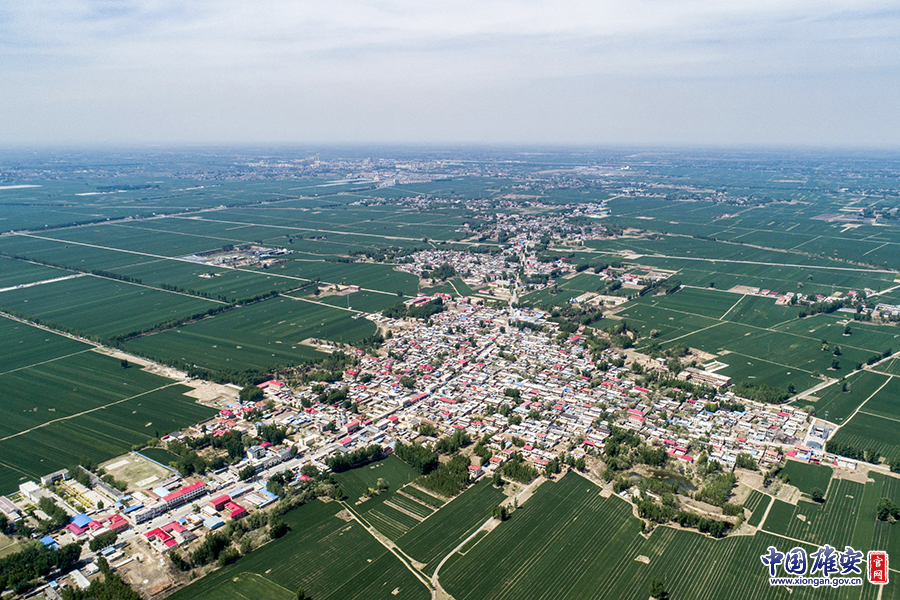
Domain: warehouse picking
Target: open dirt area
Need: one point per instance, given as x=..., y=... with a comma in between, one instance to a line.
x=135, y=470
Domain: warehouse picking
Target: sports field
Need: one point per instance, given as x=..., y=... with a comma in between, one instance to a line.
x=261, y=335
x=330, y=558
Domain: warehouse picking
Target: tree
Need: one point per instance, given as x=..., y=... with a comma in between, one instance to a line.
x=658, y=590
x=277, y=529
x=886, y=510
x=124, y=363
x=407, y=381
x=580, y=464
x=247, y=472
x=251, y=393
x=500, y=512
x=817, y=494
x=301, y=595
x=497, y=478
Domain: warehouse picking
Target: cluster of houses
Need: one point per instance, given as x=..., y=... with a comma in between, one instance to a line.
x=504, y=376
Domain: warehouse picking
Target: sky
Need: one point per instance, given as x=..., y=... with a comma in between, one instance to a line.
x=815, y=73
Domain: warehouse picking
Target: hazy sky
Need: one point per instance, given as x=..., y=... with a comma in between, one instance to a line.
x=808, y=72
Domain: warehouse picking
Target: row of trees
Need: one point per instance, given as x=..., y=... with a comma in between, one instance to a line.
x=21, y=570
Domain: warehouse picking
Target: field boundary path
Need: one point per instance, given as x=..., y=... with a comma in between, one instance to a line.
x=848, y=419
x=90, y=410
x=389, y=546
x=437, y=592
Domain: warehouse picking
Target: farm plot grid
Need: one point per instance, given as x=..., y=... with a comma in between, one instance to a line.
x=568, y=541
x=431, y=540
x=783, y=354
x=261, y=335
x=330, y=558
x=101, y=307
x=83, y=405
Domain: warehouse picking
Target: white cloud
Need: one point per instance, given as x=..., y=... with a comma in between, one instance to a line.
x=264, y=70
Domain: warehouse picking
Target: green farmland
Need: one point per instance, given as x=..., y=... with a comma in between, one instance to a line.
x=429, y=541
x=32, y=345
x=102, y=307
x=806, y=476
x=17, y=272
x=71, y=402
x=331, y=559
x=392, y=470
x=759, y=341
x=840, y=404
x=569, y=542
x=261, y=335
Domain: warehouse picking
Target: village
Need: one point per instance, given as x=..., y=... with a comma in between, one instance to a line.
x=507, y=376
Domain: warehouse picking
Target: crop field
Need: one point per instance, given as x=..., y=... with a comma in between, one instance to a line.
x=867, y=431
x=431, y=540
x=806, y=476
x=423, y=496
x=394, y=471
x=785, y=227
x=546, y=298
x=778, y=278
x=779, y=355
x=840, y=404
x=366, y=275
x=417, y=507
x=885, y=536
x=17, y=272
x=389, y=521
x=101, y=307
x=88, y=405
x=142, y=239
x=886, y=403
x=569, y=542
x=832, y=522
x=370, y=302
x=226, y=284
x=260, y=335
x=28, y=345
x=757, y=311
x=331, y=559
x=891, y=367
x=704, y=303
x=695, y=249
x=378, y=510
x=757, y=503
